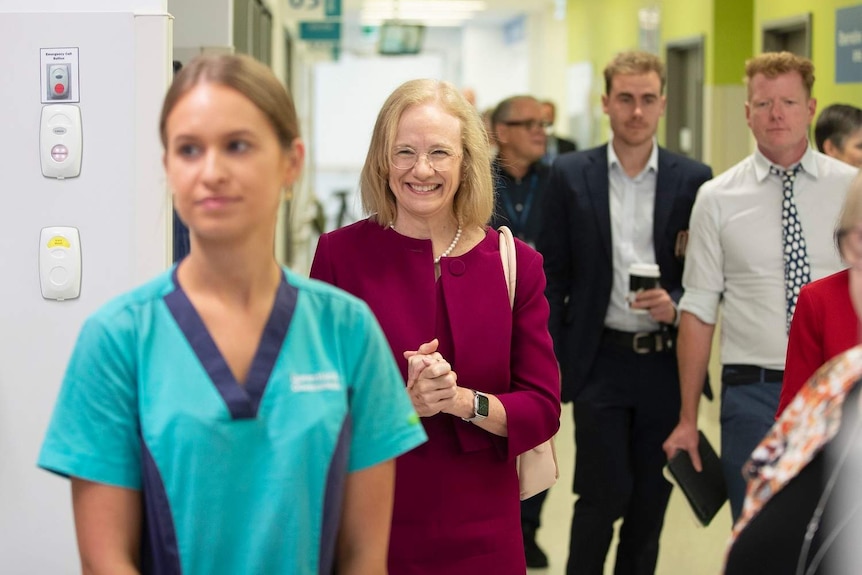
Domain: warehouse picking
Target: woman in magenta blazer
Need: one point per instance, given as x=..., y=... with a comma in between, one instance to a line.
x=824, y=323
x=481, y=374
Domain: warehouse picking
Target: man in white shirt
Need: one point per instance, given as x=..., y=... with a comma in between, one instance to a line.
x=758, y=232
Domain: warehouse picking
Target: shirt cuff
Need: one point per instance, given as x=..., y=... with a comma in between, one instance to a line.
x=703, y=304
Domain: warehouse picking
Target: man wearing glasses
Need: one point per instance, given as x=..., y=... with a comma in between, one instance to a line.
x=519, y=176
x=625, y=202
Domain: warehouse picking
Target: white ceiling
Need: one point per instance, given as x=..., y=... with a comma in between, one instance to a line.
x=495, y=11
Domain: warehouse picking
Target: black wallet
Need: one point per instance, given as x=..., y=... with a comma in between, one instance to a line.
x=705, y=491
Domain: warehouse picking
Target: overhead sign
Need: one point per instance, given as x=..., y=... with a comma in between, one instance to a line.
x=848, y=45
x=332, y=7
x=320, y=31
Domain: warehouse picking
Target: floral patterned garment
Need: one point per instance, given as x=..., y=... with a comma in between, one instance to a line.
x=810, y=421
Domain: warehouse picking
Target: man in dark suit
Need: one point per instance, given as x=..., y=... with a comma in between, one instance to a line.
x=556, y=144
x=624, y=202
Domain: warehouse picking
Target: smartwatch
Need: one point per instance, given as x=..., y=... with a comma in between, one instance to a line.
x=480, y=407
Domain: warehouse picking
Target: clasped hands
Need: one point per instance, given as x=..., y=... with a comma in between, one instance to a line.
x=431, y=382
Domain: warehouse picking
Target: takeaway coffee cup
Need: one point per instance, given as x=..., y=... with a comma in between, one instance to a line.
x=642, y=277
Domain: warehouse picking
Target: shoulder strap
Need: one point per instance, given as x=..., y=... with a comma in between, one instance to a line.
x=510, y=262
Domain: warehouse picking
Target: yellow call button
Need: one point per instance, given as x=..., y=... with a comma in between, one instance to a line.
x=59, y=242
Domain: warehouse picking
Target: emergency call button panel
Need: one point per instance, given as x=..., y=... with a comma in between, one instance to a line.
x=60, y=141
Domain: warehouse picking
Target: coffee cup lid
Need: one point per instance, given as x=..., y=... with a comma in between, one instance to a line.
x=648, y=270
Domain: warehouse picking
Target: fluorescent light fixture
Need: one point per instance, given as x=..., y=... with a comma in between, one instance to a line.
x=428, y=12
x=425, y=5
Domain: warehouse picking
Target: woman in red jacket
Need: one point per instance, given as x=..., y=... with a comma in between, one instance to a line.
x=824, y=323
x=803, y=506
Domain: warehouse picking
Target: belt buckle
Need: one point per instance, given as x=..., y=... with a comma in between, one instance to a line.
x=637, y=338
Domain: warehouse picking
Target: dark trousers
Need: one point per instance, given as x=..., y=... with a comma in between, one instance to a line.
x=749, y=400
x=531, y=511
x=628, y=408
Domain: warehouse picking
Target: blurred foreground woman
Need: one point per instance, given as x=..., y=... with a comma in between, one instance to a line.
x=230, y=417
x=803, y=506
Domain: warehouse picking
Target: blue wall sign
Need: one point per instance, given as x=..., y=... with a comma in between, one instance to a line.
x=848, y=45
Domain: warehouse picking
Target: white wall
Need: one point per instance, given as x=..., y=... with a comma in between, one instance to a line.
x=347, y=97
x=497, y=68
x=118, y=204
x=494, y=68
x=202, y=23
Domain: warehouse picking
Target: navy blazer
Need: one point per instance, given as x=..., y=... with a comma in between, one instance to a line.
x=575, y=241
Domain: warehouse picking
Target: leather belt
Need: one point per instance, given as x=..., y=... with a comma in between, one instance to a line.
x=738, y=374
x=640, y=342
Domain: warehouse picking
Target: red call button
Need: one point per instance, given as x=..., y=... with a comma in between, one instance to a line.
x=59, y=88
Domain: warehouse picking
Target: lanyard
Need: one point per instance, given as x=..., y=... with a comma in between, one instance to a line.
x=519, y=219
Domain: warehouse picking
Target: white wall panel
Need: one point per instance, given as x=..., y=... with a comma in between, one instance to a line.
x=119, y=205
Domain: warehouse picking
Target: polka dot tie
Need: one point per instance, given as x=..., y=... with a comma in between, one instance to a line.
x=797, y=272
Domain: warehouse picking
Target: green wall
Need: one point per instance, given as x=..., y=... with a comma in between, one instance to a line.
x=822, y=43
x=733, y=27
x=683, y=19
x=731, y=32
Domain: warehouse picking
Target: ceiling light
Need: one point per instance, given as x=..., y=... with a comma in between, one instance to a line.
x=428, y=12
x=425, y=5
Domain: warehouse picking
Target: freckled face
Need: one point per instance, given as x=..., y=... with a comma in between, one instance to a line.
x=225, y=165
x=779, y=112
x=422, y=192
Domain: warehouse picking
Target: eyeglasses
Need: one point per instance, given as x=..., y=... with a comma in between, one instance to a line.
x=440, y=160
x=529, y=124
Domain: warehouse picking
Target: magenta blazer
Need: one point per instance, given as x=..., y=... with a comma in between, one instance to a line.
x=456, y=497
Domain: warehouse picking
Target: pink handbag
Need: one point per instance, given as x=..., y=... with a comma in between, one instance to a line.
x=537, y=467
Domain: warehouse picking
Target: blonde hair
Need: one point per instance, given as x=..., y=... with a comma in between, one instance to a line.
x=633, y=63
x=774, y=64
x=851, y=213
x=247, y=76
x=474, y=199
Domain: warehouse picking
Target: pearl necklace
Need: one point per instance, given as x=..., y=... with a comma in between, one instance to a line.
x=451, y=247
x=448, y=250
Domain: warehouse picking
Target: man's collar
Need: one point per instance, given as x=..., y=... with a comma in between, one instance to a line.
x=652, y=162
x=762, y=164
x=535, y=167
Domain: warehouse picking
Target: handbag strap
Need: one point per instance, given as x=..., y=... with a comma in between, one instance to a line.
x=510, y=262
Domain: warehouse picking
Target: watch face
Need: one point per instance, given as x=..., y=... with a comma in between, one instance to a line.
x=481, y=405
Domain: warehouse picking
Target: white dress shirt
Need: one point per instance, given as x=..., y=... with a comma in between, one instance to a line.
x=735, y=251
x=632, y=202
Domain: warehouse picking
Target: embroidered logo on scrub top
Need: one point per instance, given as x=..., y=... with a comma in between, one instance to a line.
x=309, y=382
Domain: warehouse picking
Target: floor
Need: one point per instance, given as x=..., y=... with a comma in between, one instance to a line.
x=686, y=546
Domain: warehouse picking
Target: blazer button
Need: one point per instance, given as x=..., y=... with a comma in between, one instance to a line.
x=457, y=267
